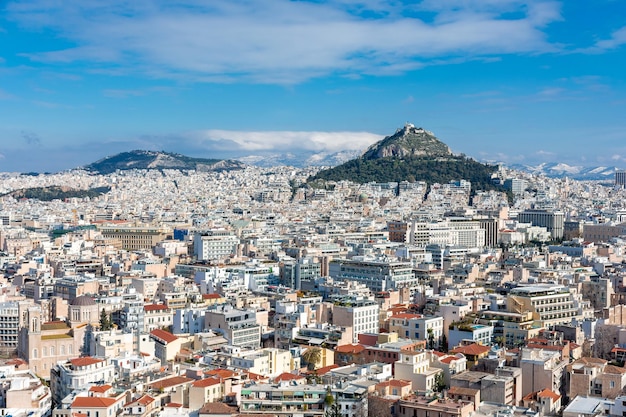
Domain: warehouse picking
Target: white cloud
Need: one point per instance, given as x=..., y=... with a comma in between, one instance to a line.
x=283, y=141
x=279, y=41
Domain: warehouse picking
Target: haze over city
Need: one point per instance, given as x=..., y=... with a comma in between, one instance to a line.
x=512, y=81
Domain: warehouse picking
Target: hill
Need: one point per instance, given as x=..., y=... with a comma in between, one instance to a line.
x=56, y=193
x=139, y=159
x=411, y=154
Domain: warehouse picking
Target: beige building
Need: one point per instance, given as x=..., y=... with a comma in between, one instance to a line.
x=268, y=362
x=135, y=237
x=43, y=344
x=440, y=407
x=541, y=369
x=595, y=377
x=415, y=367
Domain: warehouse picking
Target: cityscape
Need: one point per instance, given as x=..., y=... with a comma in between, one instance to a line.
x=240, y=290
x=312, y=208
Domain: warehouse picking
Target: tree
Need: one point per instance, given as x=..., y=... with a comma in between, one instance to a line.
x=431, y=339
x=333, y=408
x=440, y=383
x=311, y=357
x=105, y=321
x=443, y=343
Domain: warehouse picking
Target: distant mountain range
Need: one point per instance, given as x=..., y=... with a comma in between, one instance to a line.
x=301, y=159
x=410, y=154
x=576, y=172
x=139, y=159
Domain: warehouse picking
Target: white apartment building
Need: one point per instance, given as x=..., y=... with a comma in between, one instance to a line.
x=215, y=245
x=358, y=314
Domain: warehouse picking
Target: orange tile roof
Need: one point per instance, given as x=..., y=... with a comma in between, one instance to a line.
x=325, y=369
x=100, y=388
x=350, y=348
x=164, y=335
x=474, y=349
x=85, y=361
x=93, y=402
x=170, y=382
x=222, y=373
x=212, y=296
x=206, y=382
x=154, y=307
x=448, y=359
x=286, y=376
x=394, y=383
x=547, y=393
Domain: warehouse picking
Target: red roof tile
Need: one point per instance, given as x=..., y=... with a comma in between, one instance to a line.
x=547, y=393
x=474, y=349
x=166, y=336
x=93, y=402
x=350, y=348
x=206, y=382
x=286, y=376
x=155, y=307
x=85, y=361
x=100, y=388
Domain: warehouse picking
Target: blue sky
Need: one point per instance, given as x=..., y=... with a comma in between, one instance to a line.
x=506, y=80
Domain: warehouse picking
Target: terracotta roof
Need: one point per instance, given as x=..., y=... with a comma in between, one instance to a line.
x=170, y=382
x=93, y=402
x=440, y=354
x=448, y=359
x=173, y=405
x=394, y=383
x=612, y=369
x=100, y=388
x=206, y=382
x=166, y=336
x=85, y=361
x=350, y=348
x=144, y=400
x=547, y=393
x=154, y=307
x=212, y=296
x=286, y=376
x=474, y=349
x=222, y=373
x=462, y=391
x=325, y=369
x=216, y=408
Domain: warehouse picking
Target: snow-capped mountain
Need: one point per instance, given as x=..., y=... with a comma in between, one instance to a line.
x=301, y=159
x=577, y=172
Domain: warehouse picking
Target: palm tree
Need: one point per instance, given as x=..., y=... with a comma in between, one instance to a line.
x=311, y=357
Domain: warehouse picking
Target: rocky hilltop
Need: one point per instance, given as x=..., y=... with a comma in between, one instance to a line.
x=411, y=154
x=407, y=142
x=140, y=159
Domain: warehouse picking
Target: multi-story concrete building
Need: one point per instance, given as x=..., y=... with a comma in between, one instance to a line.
x=553, y=221
x=417, y=327
x=215, y=245
x=9, y=328
x=415, y=367
x=240, y=327
x=542, y=369
x=293, y=273
x=77, y=373
x=284, y=399
x=358, y=314
x=377, y=274
x=478, y=333
x=135, y=237
x=549, y=304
